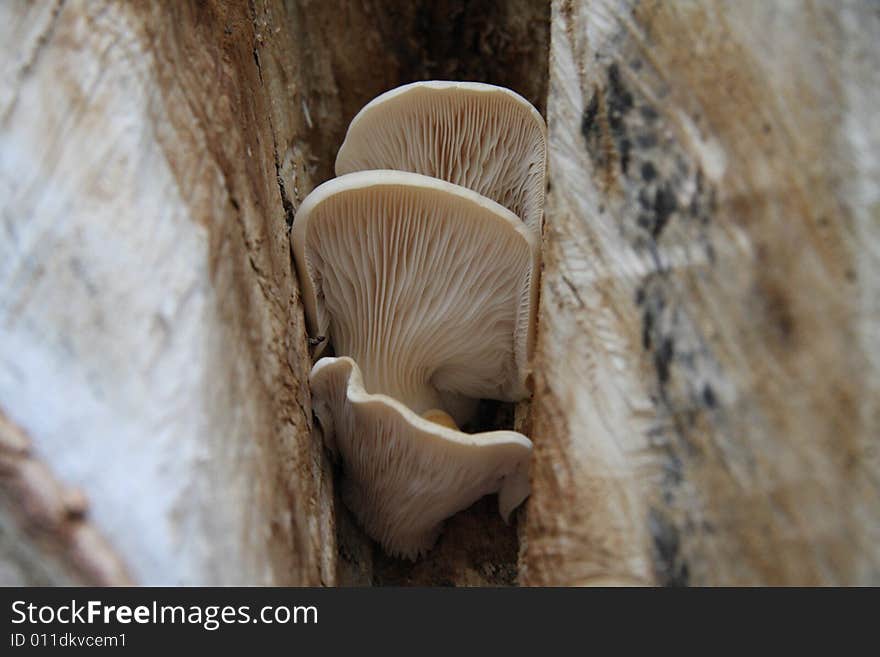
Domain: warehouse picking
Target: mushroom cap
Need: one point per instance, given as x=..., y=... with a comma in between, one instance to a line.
x=427, y=285
x=403, y=475
x=483, y=137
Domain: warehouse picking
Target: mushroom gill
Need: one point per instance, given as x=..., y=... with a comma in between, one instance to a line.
x=425, y=284
x=481, y=136
x=404, y=474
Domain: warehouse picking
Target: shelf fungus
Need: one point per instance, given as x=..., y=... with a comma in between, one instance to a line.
x=483, y=137
x=426, y=289
x=404, y=474
x=425, y=284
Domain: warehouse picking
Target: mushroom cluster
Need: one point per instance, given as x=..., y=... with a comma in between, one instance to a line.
x=420, y=262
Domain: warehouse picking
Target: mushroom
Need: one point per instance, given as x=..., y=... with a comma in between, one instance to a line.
x=486, y=138
x=427, y=285
x=404, y=474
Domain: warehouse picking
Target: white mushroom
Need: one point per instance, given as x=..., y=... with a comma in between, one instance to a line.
x=428, y=286
x=403, y=474
x=486, y=138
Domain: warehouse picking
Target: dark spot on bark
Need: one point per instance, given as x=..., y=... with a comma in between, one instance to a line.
x=594, y=131
x=778, y=311
x=647, y=327
x=624, y=146
x=710, y=253
x=588, y=120
x=664, y=205
x=709, y=398
x=668, y=567
x=646, y=141
x=785, y=321
x=619, y=99
x=682, y=576
x=656, y=208
x=649, y=172
x=648, y=113
x=663, y=359
x=700, y=182
x=673, y=474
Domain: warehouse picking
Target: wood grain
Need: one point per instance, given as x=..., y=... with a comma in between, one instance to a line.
x=707, y=408
x=152, y=340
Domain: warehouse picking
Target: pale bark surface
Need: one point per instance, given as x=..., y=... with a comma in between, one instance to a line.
x=152, y=341
x=707, y=403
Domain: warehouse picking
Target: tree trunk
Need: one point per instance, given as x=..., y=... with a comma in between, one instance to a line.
x=153, y=344
x=707, y=383
x=707, y=403
x=152, y=156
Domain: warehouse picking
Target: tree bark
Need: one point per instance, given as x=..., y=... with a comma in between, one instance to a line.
x=153, y=344
x=707, y=383
x=707, y=394
x=152, y=156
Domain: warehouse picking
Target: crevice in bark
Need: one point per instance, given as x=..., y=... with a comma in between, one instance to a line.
x=279, y=178
x=383, y=46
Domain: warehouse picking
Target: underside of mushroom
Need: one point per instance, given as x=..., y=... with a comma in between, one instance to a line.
x=427, y=285
x=404, y=474
x=483, y=137
x=420, y=264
